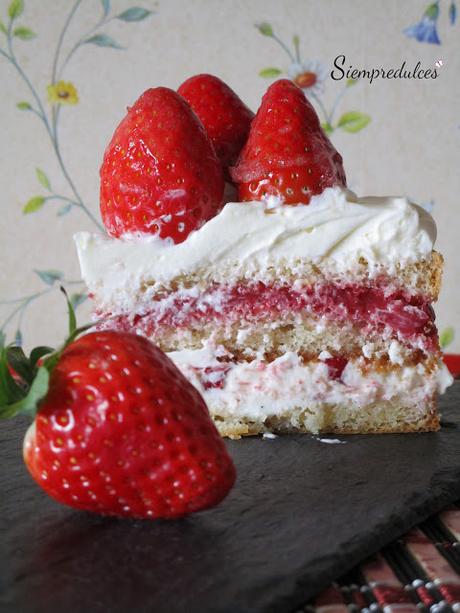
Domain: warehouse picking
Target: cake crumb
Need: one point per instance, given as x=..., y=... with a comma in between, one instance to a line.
x=269, y=435
x=331, y=441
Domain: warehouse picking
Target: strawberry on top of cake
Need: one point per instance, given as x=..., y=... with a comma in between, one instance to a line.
x=295, y=307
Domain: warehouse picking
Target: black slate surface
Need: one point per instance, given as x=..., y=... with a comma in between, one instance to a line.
x=302, y=513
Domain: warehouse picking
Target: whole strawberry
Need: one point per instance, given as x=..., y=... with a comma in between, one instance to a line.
x=287, y=154
x=120, y=431
x=223, y=114
x=160, y=173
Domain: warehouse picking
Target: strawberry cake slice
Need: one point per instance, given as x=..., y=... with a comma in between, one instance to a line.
x=296, y=307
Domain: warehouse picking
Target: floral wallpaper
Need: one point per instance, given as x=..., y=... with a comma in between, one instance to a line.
x=71, y=72
x=426, y=30
x=311, y=75
x=60, y=93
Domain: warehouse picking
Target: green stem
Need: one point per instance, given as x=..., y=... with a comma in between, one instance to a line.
x=61, y=39
x=319, y=102
x=16, y=300
x=25, y=301
x=79, y=202
x=81, y=41
x=24, y=304
x=51, y=132
x=64, y=198
x=284, y=46
x=12, y=58
x=21, y=315
x=10, y=317
x=35, y=112
x=38, y=294
x=336, y=103
x=56, y=110
x=297, y=50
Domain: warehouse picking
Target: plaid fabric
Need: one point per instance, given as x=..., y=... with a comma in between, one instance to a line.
x=420, y=572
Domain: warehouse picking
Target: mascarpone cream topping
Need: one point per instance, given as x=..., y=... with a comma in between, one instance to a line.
x=336, y=226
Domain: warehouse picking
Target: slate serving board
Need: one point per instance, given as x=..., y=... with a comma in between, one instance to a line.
x=302, y=513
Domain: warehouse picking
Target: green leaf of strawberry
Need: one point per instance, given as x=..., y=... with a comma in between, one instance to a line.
x=10, y=390
x=20, y=363
x=22, y=381
x=71, y=314
x=38, y=353
x=28, y=404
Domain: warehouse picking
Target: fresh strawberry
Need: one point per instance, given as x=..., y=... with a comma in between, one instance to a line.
x=336, y=366
x=120, y=431
x=224, y=115
x=287, y=154
x=160, y=172
x=452, y=361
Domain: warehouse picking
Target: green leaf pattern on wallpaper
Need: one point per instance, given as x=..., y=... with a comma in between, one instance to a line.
x=59, y=94
x=311, y=77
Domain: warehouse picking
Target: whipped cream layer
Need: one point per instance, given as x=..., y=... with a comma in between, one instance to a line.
x=337, y=228
x=259, y=390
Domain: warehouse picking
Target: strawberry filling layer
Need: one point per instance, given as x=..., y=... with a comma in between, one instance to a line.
x=376, y=309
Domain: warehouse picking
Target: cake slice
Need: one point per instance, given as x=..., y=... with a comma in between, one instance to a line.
x=310, y=318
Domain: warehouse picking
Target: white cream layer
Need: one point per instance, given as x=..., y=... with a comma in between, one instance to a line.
x=336, y=228
x=257, y=390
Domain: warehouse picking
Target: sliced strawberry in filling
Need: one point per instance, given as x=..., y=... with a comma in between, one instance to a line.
x=212, y=376
x=336, y=366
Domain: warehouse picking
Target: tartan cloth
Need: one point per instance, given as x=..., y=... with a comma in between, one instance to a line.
x=419, y=572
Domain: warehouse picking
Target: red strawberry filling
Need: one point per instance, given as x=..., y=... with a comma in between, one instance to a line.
x=336, y=366
x=213, y=376
x=370, y=308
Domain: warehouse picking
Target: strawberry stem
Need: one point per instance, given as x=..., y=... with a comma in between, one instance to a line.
x=71, y=311
x=24, y=380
